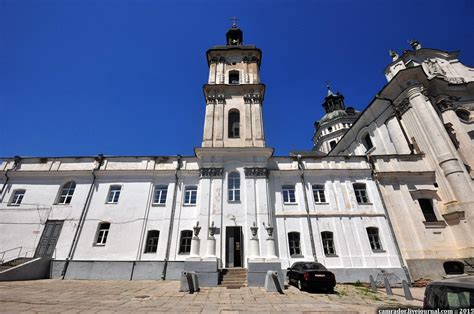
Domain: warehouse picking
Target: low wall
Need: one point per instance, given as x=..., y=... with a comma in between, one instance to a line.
x=35, y=269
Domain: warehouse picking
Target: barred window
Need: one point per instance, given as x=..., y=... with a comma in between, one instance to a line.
x=361, y=193
x=328, y=243
x=185, y=242
x=160, y=194
x=234, y=187
x=289, y=194
x=374, y=239
x=318, y=193
x=294, y=243
x=152, y=241
x=67, y=191
x=190, y=195
x=114, y=194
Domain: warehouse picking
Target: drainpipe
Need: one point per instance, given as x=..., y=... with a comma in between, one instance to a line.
x=82, y=218
x=392, y=232
x=399, y=120
x=16, y=162
x=310, y=227
x=173, y=209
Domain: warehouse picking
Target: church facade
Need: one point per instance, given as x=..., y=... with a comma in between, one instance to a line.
x=356, y=209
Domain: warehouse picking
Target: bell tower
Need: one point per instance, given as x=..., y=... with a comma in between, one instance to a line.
x=234, y=94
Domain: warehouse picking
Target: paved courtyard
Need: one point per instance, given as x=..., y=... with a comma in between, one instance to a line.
x=163, y=296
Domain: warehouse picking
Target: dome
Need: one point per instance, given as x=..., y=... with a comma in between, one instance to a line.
x=349, y=112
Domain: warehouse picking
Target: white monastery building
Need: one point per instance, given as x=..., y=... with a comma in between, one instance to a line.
x=384, y=192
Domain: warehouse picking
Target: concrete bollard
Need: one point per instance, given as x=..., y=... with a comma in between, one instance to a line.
x=189, y=282
x=373, y=285
x=388, y=289
x=272, y=283
x=406, y=291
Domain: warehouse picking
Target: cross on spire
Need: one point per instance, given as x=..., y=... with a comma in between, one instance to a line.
x=234, y=19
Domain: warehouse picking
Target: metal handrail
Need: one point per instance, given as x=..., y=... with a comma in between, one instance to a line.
x=3, y=252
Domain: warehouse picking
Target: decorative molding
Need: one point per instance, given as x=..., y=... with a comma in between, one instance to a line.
x=214, y=60
x=211, y=172
x=211, y=99
x=455, y=80
x=220, y=99
x=254, y=230
x=252, y=98
x=445, y=105
x=402, y=106
x=256, y=172
x=434, y=68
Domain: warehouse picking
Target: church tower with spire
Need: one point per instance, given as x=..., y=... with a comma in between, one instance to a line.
x=234, y=94
x=334, y=124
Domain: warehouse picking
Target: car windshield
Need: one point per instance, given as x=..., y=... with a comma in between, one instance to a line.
x=313, y=266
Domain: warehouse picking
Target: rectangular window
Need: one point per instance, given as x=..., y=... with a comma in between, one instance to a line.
x=294, y=244
x=234, y=187
x=102, y=233
x=374, y=239
x=67, y=191
x=152, y=241
x=289, y=194
x=185, y=243
x=318, y=193
x=160, y=194
x=361, y=193
x=17, y=197
x=427, y=209
x=114, y=194
x=328, y=243
x=190, y=195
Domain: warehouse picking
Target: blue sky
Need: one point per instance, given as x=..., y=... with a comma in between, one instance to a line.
x=125, y=77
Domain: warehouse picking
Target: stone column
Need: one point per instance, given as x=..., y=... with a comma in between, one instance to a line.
x=254, y=243
x=435, y=141
x=209, y=122
x=396, y=134
x=195, y=242
x=271, y=251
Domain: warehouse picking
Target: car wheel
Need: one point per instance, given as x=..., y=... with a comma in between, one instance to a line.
x=300, y=285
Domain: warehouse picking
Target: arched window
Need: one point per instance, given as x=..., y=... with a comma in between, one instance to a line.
x=294, y=244
x=67, y=191
x=234, y=187
x=152, y=241
x=328, y=243
x=361, y=193
x=374, y=239
x=234, y=124
x=367, y=142
x=185, y=242
x=426, y=206
x=234, y=77
x=102, y=233
x=332, y=144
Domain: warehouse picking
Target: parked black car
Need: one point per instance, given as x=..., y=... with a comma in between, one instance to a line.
x=450, y=294
x=311, y=275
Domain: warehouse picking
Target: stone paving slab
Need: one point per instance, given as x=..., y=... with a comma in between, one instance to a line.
x=89, y=296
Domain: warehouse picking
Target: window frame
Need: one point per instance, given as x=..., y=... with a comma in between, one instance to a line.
x=185, y=240
x=67, y=186
x=233, y=187
x=231, y=130
x=358, y=188
x=109, y=199
x=14, y=199
x=375, y=240
x=428, y=213
x=294, y=244
x=317, y=189
x=161, y=200
x=152, y=247
x=327, y=238
x=190, y=188
x=102, y=233
x=286, y=194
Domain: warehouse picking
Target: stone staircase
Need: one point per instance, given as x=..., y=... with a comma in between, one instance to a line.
x=234, y=278
x=13, y=263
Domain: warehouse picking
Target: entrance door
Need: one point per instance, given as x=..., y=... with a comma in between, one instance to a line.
x=234, y=247
x=49, y=238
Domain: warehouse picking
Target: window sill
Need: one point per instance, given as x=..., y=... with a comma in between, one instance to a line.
x=434, y=224
x=107, y=203
x=321, y=203
x=290, y=203
x=379, y=251
x=98, y=244
x=365, y=204
x=158, y=204
x=233, y=202
x=149, y=253
x=190, y=205
x=371, y=150
x=297, y=256
x=332, y=255
x=14, y=205
x=184, y=253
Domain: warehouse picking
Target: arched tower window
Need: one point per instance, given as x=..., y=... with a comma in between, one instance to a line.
x=234, y=124
x=367, y=142
x=234, y=77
